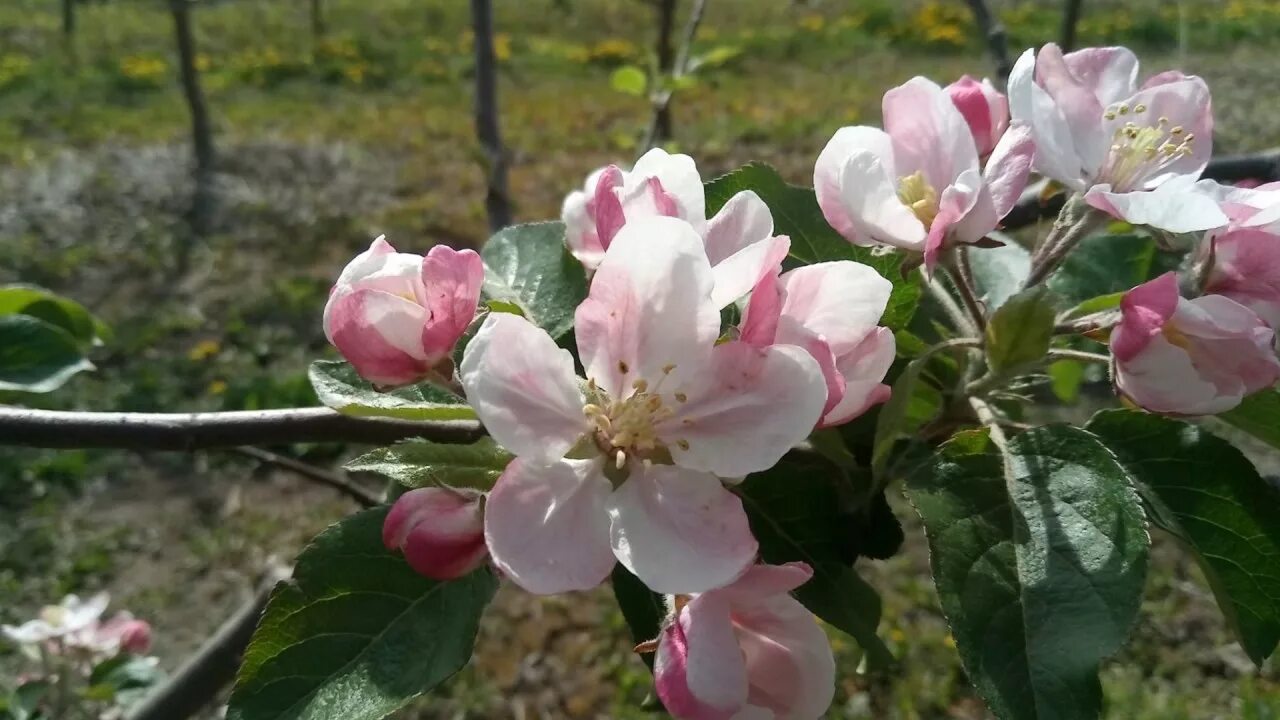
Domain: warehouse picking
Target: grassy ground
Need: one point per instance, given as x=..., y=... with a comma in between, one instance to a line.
x=326, y=142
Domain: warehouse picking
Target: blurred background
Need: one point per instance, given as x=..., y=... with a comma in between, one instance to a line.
x=208, y=248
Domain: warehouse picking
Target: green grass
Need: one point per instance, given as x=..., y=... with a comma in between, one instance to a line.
x=324, y=144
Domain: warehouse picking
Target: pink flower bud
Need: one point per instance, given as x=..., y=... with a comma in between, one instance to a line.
x=395, y=315
x=984, y=108
x=1190, y=357
x=440, y=531
x=1246, y=268
x=748, y=649
x=135, y=637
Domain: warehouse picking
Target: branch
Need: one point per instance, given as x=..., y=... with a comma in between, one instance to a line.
x=196, y=431
x=338, y=481
x=200, y=679
x=660, y=125
x=1070, y=20
x=994, y=35
x=497, y=202
x=1263, y=166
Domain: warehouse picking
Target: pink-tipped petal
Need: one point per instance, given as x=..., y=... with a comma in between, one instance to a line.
x=929, y=134
x=380, y=334
x=649, y=306
x=609, y=214
x=863, y=370
x=840, y=301
x=440, y=531
x=679, y=180
x=452, y=279
x=1056, y=154
x=699, y=670
x=759, y=325
x=985, y=109
x=748, y=408
x=1110, y=73
x=547, y=527
x=790, y=667
x=1144, y=312
x=523, y=388
x=1171, y=206
x=680, y=531
x=1009, y=167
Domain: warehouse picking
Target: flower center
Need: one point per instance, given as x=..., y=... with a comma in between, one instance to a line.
x=1140, y=150
x=1176, y=337
x=626, y=427
x=916, y=193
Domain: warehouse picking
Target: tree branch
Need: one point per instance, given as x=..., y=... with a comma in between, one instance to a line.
x=994, y=35
x=337, y=481
x=660, y=126
x=1070, y=21
x=196, y=431
x=204, y=674
x=1263, y=166
x=497, y=201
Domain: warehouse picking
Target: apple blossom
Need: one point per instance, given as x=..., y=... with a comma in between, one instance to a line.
x=395, y=315
x=629, y=464
x=918, y=184
x=1245, y=266
x=123, y=632
x=739, y=239
x=746, y=651
x=71, y=616
x=1256, y=206
x=1189, y=357
x=440, y=530
x=831, y=310
x=1134, y=150
x=984, y=108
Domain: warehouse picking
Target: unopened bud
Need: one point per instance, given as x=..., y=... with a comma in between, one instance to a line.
x=984, y=108
x=439, y=530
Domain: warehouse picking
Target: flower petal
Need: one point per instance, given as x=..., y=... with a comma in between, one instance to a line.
x=1171, y=206
x=523, y=388
x=546, y=525
x=828, y=174
x=743, y=221
x=873, y=208
x=452, y=279
x=840, y=301
x=1056, y=155
x=929, y=134
x=680, y=531
x=736, y=275
x=649, y=306
x=1110, y=73
x=1008, y=168
x=790, y=666
x=380, y=334
x=746, y=410
x=1144, y=312
x=1161, y=378
x=863, y=370
x=699, y=670
x=679, y=178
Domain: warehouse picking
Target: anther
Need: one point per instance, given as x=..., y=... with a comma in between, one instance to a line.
x=684, y=444
x=681, y=397
x=666, y=369
x=640, y=385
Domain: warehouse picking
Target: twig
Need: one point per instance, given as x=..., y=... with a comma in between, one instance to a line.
x=962, y=278
x=497, y=203
x=949, y=305
x=196, y=431
x=200, y=679
x=1263, y=166
x=1070, y=20
x=325, y=477
x=1069, y=354
x=987, y=417
x=994, y=35
x=660, y=125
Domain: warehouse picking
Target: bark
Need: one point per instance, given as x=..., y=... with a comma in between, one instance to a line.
x=201, y=127
x=497, y=201
x=993, y=34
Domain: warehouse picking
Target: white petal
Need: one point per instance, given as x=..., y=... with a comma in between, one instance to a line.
x=649, y=306
x=839, y=301
x=871, y=201
x=547, y=527
x=929, y=134
x=680, y=531
x=744, y=220
x=1172, y=207
x=679, y=176
x=829, y=169
x=737, y=274
x=523, y=388
x=746, y=409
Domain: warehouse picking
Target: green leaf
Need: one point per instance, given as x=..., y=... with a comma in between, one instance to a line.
x=418, y=463
x=795, y=513
x=36, y=356
x=642, y=608
x=911, y=404
x=796, y=214
x=56, y=310
x=1105, y=264
x=356, y=634
x=1019, y=332
x=999, y=272
x=1065, y=378
x=24, y=704
x=529, y=267
x=629, y=80
x=1097, y=304
x=339, y=386
x=1258, y=415
x=1206, y=492
x=1039, y=558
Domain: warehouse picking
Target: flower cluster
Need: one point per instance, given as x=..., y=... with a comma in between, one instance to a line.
x=70, y=641
x=702, y=356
